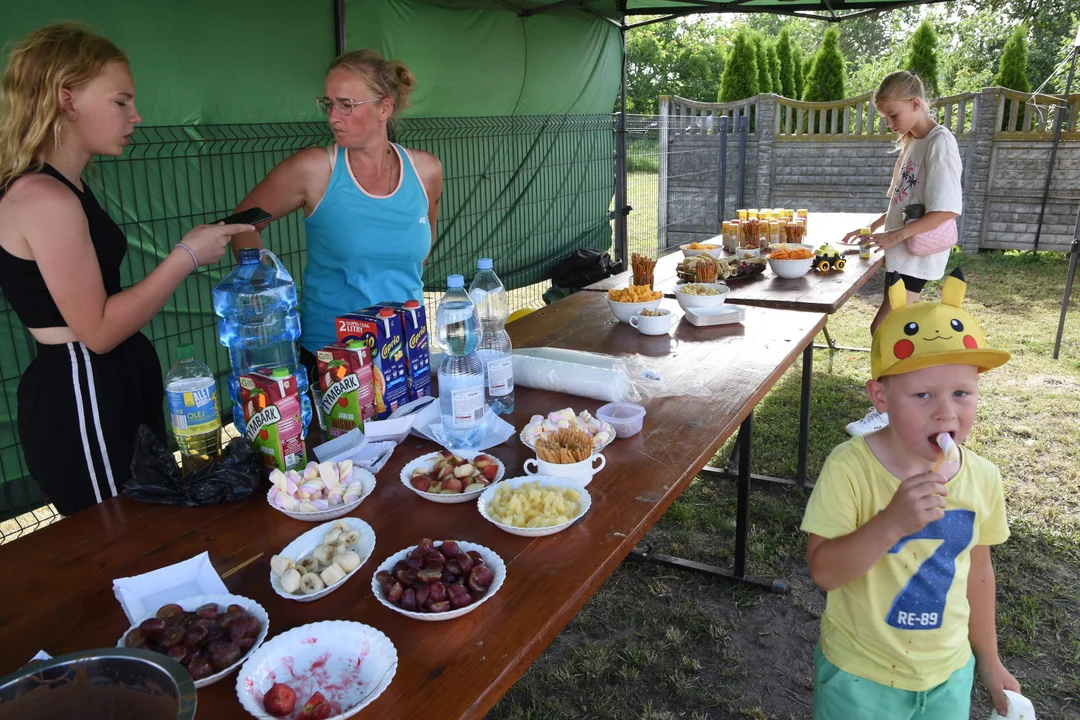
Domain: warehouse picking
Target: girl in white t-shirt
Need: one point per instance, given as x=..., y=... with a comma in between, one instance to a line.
x=927, y=173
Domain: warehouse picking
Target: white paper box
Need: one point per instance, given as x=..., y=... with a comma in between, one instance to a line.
x=142, y=595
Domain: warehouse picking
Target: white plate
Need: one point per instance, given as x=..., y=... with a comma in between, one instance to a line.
x=349, y=663
x=584, y=503
x=428, y=461
x=493, y=561
x=303, y=546
x=190, y=604
x=528, y=441
x=367, y=481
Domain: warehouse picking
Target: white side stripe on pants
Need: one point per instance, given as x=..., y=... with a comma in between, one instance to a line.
x=97, y=421
x=82, y=420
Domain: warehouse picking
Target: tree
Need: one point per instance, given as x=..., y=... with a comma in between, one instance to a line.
x=807, y=68
x=774, y=70
x=827, y=77
x=762, y=55
x=922, y=59
x=685, y=59
x=785, y=55
x=741, y=72
x=1012, y=71
x=798, y=71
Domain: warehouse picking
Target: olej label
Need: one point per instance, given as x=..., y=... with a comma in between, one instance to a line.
x=194, y=412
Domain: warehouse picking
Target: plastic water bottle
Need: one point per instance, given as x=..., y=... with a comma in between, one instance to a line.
x=260, y=324
x=461, y=375
x=193, y=409
x=493, y=307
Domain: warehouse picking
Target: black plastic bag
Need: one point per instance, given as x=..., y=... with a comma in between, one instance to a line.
x=583, y=268
x=156, y=478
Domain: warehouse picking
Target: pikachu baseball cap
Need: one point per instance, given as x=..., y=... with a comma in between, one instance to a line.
x=925, y=334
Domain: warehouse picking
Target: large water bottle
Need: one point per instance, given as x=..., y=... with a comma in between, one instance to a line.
x=493, y=306
x=461, y=375
x=193, y=409
x=260, y=324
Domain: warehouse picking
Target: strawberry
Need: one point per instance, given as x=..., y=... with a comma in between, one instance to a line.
x=279, y=700
x=316, y=708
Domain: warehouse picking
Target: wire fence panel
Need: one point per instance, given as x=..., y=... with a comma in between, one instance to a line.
x=525, y=191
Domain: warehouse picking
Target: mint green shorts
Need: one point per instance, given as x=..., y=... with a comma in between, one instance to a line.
x=839, y=695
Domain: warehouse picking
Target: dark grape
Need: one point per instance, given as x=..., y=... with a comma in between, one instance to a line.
x=477, y=558
x=237, y=608
x=237, y=630
x=427, y=545
x=253, y=627
x=135, y=639
x=214, y=645
x=439, y=607
x=208, y=611
x=435, y=557
x=408, y=600
x=177, y=653
x=452, y=567
x=152, y=626
x=395, y=593
x=465, y=562
x=438, y=592
x=224, y=657
x=167, y=611
x=402, y=576
x=172, y=636
x=246, y=644
x=430, y=574
x=480, y=578
x=415, y=561
x=195, y=636
x=449, y=578
x=200, y=668
x=449, y=548
x=382, y=576
x=422, y=593
x=460, y=601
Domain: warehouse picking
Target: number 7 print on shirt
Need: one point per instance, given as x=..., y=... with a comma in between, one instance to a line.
x=921, y=604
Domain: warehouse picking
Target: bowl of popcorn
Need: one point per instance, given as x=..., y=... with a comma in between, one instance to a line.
x=599, y=432
x=628, y=302
x=534, y=506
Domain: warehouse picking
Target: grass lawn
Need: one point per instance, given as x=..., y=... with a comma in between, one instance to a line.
x=658, y=643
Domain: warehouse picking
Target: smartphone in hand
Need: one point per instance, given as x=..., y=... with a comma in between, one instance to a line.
x=251, y=216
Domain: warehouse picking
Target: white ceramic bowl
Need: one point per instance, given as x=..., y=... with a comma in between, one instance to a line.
x=626, y=310
x=498, y=568
x=190, y=604
x=716, y=252
x=695, y=301
x=351, y=664
x=741, y=252
x=791, y=268
x=304, y=545
x=367, y=481
x=428, y=461
x=584, y=503
x=529, y=443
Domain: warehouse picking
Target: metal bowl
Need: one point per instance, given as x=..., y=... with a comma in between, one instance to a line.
x=142, y=670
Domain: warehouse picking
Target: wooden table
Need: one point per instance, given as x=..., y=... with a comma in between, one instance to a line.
x=58, y=593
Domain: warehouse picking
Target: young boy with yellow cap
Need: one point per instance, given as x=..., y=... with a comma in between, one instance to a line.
x=900, y=532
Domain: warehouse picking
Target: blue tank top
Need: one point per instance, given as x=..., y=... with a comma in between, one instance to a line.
x=362, y=249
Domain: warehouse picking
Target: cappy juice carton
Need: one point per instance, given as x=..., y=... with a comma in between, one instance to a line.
x=345, y=379
x=272, y=417
x=380, y=328
x=415, y=341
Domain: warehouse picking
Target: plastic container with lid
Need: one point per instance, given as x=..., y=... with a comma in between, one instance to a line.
x=626, y=418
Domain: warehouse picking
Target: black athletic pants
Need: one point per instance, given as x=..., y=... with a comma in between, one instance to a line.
x=78, y=412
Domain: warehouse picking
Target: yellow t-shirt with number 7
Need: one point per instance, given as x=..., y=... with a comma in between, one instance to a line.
x=905, y=622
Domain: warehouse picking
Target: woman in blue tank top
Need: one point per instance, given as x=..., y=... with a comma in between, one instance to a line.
x=369, y=205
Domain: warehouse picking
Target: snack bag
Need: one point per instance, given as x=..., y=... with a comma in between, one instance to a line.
x=380, y=328
x=271, y=404
x=415, y=342
x=345, y=378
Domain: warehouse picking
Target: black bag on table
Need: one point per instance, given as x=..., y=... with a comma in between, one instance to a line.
x=585, y=267
x=156, y=478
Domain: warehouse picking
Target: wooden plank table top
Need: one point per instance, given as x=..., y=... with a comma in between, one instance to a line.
x=58, y=580
x=814, y=292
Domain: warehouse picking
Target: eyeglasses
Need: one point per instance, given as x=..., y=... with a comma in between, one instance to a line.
x=345, y=107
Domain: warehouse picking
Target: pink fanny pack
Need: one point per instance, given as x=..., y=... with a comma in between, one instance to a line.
x=933, y=241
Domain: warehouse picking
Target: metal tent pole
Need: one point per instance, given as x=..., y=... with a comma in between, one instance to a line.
x=1063, y=110
x=339, y=26
x=621, y=208
x=1073, y=251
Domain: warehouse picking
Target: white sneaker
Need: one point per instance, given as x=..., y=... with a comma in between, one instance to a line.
x=872, y=422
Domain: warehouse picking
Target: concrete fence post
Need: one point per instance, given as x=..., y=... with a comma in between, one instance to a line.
x=764, y=128
x=977, y=168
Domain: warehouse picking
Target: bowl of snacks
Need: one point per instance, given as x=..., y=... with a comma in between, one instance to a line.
x=210, y=635
x=790, y=260
x=320, y=561
x=444, y=477
x=324, y=491
x=535, y=505
x=695, y=248
x=331, y=669
x=438, y=581
x=628, y=302
x=695, y=295
x=599, y=432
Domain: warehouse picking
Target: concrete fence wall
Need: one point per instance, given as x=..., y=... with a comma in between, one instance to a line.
x=839, y=157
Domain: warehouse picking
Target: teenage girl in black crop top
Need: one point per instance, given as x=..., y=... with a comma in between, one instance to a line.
x=95, y=377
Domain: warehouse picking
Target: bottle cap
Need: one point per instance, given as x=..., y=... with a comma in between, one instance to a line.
x=455, y=281
x=483, y=264
x=355, y=344
x=866, y=231
x=248, y=256
x=280, y=373
x=185, y=352
x=386, y=312
x=411, y=304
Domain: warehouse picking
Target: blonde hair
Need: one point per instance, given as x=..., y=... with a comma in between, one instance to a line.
x=38, y=68
x=903, y=85
x=388, y=78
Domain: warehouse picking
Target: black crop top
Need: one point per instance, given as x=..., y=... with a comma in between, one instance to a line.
x=21, y=281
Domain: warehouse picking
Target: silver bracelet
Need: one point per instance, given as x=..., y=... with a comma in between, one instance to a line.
x=194, y=260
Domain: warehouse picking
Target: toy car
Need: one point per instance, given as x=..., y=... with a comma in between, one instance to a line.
x=828, y=258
